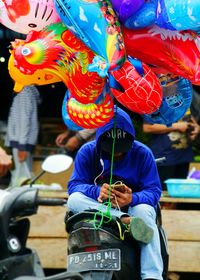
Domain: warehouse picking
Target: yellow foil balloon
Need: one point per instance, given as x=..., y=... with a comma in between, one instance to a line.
x=39, y=77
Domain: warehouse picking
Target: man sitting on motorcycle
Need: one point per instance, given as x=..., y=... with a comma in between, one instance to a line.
x=133, y=164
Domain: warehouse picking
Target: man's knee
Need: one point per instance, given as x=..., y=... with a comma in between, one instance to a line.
x=73, y=199
x=144, y=211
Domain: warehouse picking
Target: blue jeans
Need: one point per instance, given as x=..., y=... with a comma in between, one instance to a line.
x=151, y=260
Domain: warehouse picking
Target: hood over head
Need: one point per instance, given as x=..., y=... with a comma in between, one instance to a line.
x=124, y=133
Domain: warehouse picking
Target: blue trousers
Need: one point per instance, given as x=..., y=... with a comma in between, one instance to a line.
x=151, y=260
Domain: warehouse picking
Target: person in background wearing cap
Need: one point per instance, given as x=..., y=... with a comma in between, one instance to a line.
x=134, y=165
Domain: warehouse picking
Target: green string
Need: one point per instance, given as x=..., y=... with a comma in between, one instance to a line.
x=107, y=203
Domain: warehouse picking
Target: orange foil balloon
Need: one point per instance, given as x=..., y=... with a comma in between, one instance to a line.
x=55, y=50
x=136, y=87
x=91, y=115
x=176, y=51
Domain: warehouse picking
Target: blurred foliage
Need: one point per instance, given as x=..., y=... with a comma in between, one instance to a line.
x=196, y=149
x=7, y=149
x=140, y=135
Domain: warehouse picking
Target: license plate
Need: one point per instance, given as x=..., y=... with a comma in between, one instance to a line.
x=108, y=259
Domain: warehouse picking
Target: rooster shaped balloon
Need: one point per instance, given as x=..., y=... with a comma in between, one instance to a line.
x=57, y=52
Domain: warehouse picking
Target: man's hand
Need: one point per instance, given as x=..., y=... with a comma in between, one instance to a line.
x=181, y=126
x=5, y=162
x=105, y=192
x=121, y=199
x=195, y=129
x=22, y=155
x=72, y=144
x=62, y=138
x=118, y=198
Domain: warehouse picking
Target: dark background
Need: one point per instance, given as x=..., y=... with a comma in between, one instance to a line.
x=52, y=95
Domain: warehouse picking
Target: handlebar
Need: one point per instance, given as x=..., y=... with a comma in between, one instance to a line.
x=47, y=201
x=160, y=160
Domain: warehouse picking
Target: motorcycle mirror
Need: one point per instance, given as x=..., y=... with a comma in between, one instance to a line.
x=53, y=164
x=57, y=163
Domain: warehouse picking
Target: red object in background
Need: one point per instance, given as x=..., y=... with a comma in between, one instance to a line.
x=177, y=52
x=142, y=94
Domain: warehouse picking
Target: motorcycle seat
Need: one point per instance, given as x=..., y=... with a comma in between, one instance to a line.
x=90, y=218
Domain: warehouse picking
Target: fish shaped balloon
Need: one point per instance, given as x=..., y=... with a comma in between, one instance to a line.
x=25, y=15
x=55, y=50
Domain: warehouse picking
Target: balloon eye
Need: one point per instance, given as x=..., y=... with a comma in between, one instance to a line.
x=26, y=51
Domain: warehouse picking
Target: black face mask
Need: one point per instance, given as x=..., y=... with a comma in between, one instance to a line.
x=108, y=156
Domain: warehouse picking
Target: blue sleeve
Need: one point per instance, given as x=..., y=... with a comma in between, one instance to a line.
x=82, y=179
x=149, y=190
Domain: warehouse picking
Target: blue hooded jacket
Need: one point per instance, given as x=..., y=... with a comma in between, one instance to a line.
x=137, y=169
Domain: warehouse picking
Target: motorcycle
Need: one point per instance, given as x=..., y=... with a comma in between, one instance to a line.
x=101, y=248
x=98, y=249
x=17, y=261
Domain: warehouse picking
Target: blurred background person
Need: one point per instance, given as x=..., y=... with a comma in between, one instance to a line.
x=175, y=144
x=23, y=127
x=71, y=141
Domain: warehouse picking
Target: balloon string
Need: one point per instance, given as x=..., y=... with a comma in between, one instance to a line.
x=111, y=165
x=107, y=214
x=122, y=234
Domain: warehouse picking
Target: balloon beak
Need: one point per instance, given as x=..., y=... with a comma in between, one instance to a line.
x=18, y=87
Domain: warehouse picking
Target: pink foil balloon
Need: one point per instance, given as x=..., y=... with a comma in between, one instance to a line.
x=25, y=15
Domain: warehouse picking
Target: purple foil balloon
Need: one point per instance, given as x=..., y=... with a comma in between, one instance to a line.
x=116, y=5
x=126, y=8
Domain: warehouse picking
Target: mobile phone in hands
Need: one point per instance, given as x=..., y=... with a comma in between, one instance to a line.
x=119, y=187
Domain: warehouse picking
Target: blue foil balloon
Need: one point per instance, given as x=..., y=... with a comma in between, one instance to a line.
x=177, y=99
x=178, y=14
x=169, y=14
x=96, y=24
